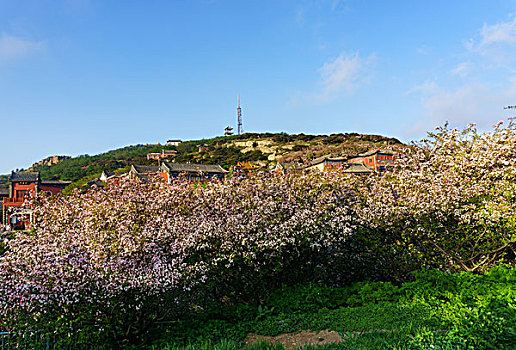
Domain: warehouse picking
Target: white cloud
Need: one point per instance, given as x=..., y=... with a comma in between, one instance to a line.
x=496, y=44
x=472, y=103
x=502, y=32
x=341, y=75
x=462, y=69
x=12, y=47
x=344, y=73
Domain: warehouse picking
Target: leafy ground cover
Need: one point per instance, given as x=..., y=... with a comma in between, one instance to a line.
x=435, y=311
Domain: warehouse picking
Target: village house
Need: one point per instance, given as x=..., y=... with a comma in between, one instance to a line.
x=287, y=167
x=20, y=186
x=245, y=167
x=165, y=153
x=143, y=171
x=376, y=159
x=358, y=169
x=327, y=163
x=173, y=142
x=107, y=175
x=192, y=172
x=202, y=147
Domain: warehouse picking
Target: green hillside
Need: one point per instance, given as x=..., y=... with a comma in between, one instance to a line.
x=264, y=148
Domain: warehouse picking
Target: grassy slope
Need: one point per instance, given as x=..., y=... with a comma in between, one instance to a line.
x=436, y=311
x=220, y=150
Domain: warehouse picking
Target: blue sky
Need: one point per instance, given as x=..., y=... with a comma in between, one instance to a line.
x=87, y=76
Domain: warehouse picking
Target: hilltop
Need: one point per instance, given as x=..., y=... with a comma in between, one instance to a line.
x=265, y=149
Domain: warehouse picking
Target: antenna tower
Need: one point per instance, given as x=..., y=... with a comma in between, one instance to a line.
x=239, y=117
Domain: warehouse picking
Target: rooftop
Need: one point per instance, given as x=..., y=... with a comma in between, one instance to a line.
x=327, y=157
x=194, y=168
x=55, y=182
x=358, y=168
x=374, y=151
x=145, y=169
x=32, y=176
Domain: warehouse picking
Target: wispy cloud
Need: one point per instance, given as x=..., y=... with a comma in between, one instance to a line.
x=462, y=69
x=502, y=32
x=338, y=76
x=477, y=102
x=343, y=74
x=12, y=48
x=496, y=43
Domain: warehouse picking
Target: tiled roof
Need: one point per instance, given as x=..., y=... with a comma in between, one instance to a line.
x=327, y=157
x=25, y=176
x=289, y=166
x=374, y=151
x=145, y=169
x=55, y=182
x=358, y=168
x=195, y=168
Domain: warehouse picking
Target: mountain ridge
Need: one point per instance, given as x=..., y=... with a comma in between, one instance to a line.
x=263, y=148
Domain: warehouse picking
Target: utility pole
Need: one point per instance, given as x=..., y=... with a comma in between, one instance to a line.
x=239, y=117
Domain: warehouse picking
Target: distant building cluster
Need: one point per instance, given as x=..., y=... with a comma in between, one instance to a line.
x=165, y=153
x=372, y=161
x=15, y=216
x=13, y=213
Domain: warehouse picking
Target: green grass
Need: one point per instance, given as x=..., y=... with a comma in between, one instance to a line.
x=436, y=311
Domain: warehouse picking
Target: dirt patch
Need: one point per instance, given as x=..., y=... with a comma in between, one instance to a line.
x=293, y=340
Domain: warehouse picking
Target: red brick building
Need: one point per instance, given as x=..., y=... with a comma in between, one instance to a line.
x=376, y=159
x=20, y=185
x=328, y=163
x=165, y=153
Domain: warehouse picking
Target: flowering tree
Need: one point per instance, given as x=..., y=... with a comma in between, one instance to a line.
x=450, y=202
x=136, y=252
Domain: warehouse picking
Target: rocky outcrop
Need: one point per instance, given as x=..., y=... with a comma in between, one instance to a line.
x=49, y=161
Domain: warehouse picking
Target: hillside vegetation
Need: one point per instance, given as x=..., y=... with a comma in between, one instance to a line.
x=150, y=263
x=264, y=148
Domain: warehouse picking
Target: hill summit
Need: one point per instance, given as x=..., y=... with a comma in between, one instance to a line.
x=264, y=149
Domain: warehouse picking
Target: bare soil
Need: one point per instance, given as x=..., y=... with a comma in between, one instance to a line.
x=293, y=340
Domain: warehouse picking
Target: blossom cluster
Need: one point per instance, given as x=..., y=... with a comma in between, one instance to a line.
x=450, y=202
x=135, y=252
x=133, y=244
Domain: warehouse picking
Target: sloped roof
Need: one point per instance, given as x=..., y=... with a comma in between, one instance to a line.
x=194, y=168
x=55, y=182
x=327, y=157
x=108, y=174
x=289, y=166
x=25, y=176
x=145, y=169
x=358, y=168
x=374, y=151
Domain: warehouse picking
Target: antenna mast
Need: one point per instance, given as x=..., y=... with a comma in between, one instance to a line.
x=239, y=117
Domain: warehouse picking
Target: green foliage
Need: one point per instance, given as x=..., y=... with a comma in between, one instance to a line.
x=223, y=156
x=434, y=311
x=76, y=168
x=4, y=180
